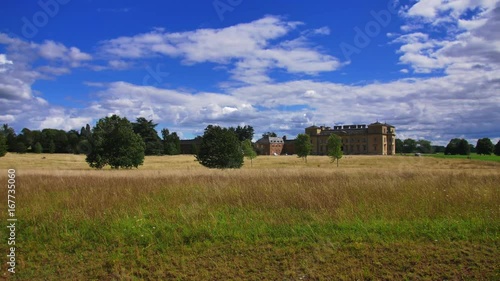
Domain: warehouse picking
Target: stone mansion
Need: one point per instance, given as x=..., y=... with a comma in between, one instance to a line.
x=374, y=139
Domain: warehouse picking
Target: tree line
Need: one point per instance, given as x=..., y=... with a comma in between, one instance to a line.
x=119, y=143
x=80, y=142
x=456, y=146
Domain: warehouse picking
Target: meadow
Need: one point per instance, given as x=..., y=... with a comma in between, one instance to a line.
x=472, y=156
x=372, y=218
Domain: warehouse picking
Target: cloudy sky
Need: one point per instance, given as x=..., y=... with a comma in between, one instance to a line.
x=430, y=67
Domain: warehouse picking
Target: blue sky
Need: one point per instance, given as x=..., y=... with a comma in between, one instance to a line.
x=429, y=67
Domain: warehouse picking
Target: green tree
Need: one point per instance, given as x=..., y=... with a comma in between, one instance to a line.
x=84, y=146
x=54, y=141
x=115, y=143
x=10, y=135
x=452, y=147
x=220, y=148
x=303, y=146
x=472, y=148
x=463, y=147
x=248, y=150
x=26, y=137
x=37, y=148
x=457, y=146
x=73, y=141
x=3, y=145
x=171, y=142
x=270, y=134
x=399, y=146
x=243, y=133
x=484, y=146
x=146, y=129
x=52, y=147
x=409, y=145
x=20, y=147
x=497, y=149
x=334, y=145
x=424, y=146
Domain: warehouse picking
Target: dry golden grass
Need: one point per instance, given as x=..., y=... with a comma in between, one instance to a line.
x=174, y=219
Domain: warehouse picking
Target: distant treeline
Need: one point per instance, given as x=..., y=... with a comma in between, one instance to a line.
x=456, y=146
x=79, y=142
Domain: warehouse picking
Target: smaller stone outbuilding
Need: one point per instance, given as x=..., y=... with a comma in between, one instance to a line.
x=269, y=145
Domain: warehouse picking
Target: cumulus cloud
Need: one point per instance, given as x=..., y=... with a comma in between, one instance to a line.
x=472, y=40
x=248, y=47
x=25, y=63
x=462, y=100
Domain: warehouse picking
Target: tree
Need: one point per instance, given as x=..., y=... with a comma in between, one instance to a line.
x=438, y=149
x=3, y=145
x=10, y=135
x=171, y=142
x=115, y=143
x=334, y=145
x=399, y=146
x=424, y=146
x=220, y=148
x=146, y=129
x=452, y=147
x=497, y=149
x=463, y=147
x=52, y=147
x=248, y=150
x=37, y=148
x=84, y=147
x=73, y=141
x=26, y=137
x=472, y=148
x=243, y=133
x=457, y=146
x=54, y=141
x=409, y=145
x=484, y=146
x=303, y=146
x=20, y=147
x=269, y=134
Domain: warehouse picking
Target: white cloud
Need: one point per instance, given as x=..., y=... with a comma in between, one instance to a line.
x=51, y=50
x=247, y=46
x=325, y=30
x=4, y=60
x=470, y=45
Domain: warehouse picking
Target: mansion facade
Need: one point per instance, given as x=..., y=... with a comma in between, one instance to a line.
x=374, y=139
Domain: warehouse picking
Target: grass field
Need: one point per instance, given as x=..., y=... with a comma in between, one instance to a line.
x=374, y=217
x=472, y=156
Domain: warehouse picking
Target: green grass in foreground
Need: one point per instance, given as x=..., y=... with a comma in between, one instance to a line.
x=245, y=244
x=375, y=218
